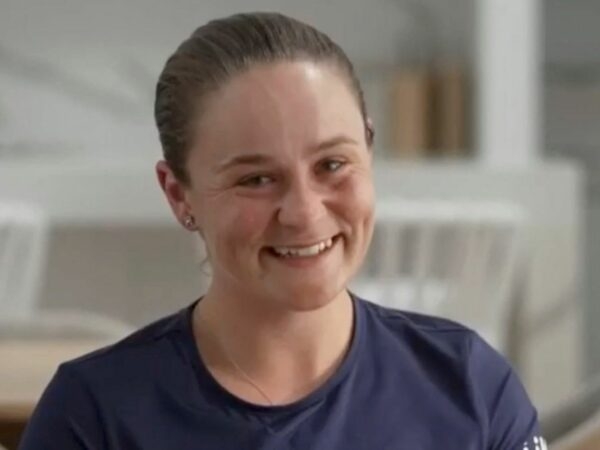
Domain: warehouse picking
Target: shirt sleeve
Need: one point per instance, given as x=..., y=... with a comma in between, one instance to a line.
x=510, y=418
x=65, y=418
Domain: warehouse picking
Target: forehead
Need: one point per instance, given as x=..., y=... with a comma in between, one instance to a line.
x=280, y=107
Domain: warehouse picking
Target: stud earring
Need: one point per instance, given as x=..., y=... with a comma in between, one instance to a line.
x=189, y=223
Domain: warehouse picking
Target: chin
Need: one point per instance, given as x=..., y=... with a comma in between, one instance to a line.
x=306, y=298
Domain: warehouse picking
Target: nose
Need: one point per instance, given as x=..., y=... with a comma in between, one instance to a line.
x=301, y=205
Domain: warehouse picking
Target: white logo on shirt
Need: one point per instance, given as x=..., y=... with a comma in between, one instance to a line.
x=539, y=443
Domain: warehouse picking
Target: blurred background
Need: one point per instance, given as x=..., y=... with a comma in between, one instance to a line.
x=487, y=118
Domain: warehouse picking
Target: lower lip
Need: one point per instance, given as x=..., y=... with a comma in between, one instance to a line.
x=306, y=261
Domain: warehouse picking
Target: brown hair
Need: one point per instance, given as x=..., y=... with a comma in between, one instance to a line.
x=222, y=48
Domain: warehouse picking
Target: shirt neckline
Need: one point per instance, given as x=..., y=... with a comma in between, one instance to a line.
x=218, y=394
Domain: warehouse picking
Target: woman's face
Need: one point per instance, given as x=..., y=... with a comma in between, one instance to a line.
x=281, y=185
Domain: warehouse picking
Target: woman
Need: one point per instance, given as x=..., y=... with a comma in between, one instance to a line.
x=267, y=148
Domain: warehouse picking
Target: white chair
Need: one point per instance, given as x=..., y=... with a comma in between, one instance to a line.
x=23, y=244
x=24, y=233
x=453, y=259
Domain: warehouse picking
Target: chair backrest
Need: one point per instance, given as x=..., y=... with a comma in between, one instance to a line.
x=23, y=249
x=452, y=259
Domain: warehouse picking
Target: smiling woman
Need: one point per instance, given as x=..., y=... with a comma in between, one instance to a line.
x=294, y=172
x=267, y=147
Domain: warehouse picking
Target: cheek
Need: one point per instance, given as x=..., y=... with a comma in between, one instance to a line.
x=359, y=198
x=246, y=220
x=361, y=216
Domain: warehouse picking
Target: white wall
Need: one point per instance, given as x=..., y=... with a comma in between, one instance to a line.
x=78, y=76
x=572, y=116
x=572, y=109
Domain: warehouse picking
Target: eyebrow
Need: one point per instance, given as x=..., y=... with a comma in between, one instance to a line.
x=260, y=158
x=243, y=160
x=334, y=141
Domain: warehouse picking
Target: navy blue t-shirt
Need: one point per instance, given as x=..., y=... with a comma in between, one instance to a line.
x=408, y=382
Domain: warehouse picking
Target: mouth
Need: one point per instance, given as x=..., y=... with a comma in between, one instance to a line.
x=308, y=251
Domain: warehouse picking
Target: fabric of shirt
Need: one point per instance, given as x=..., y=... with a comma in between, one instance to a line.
x=408, y=382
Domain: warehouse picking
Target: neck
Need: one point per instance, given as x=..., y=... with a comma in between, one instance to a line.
x=287, y=353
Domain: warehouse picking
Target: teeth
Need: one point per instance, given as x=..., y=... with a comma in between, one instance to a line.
x=304, y=251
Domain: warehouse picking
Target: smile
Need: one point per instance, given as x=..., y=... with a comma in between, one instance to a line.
x=300, y=252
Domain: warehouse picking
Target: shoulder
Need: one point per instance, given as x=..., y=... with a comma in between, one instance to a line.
x=87, y=393
x=459, y=362
x=151, y=350
x=414, y=331
x=437, y=343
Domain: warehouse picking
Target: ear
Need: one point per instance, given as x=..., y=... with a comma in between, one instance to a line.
x=175, y=191
x=370, y=132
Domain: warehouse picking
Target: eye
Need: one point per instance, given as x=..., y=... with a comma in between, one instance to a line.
x=256, y=181
x=331, y=165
